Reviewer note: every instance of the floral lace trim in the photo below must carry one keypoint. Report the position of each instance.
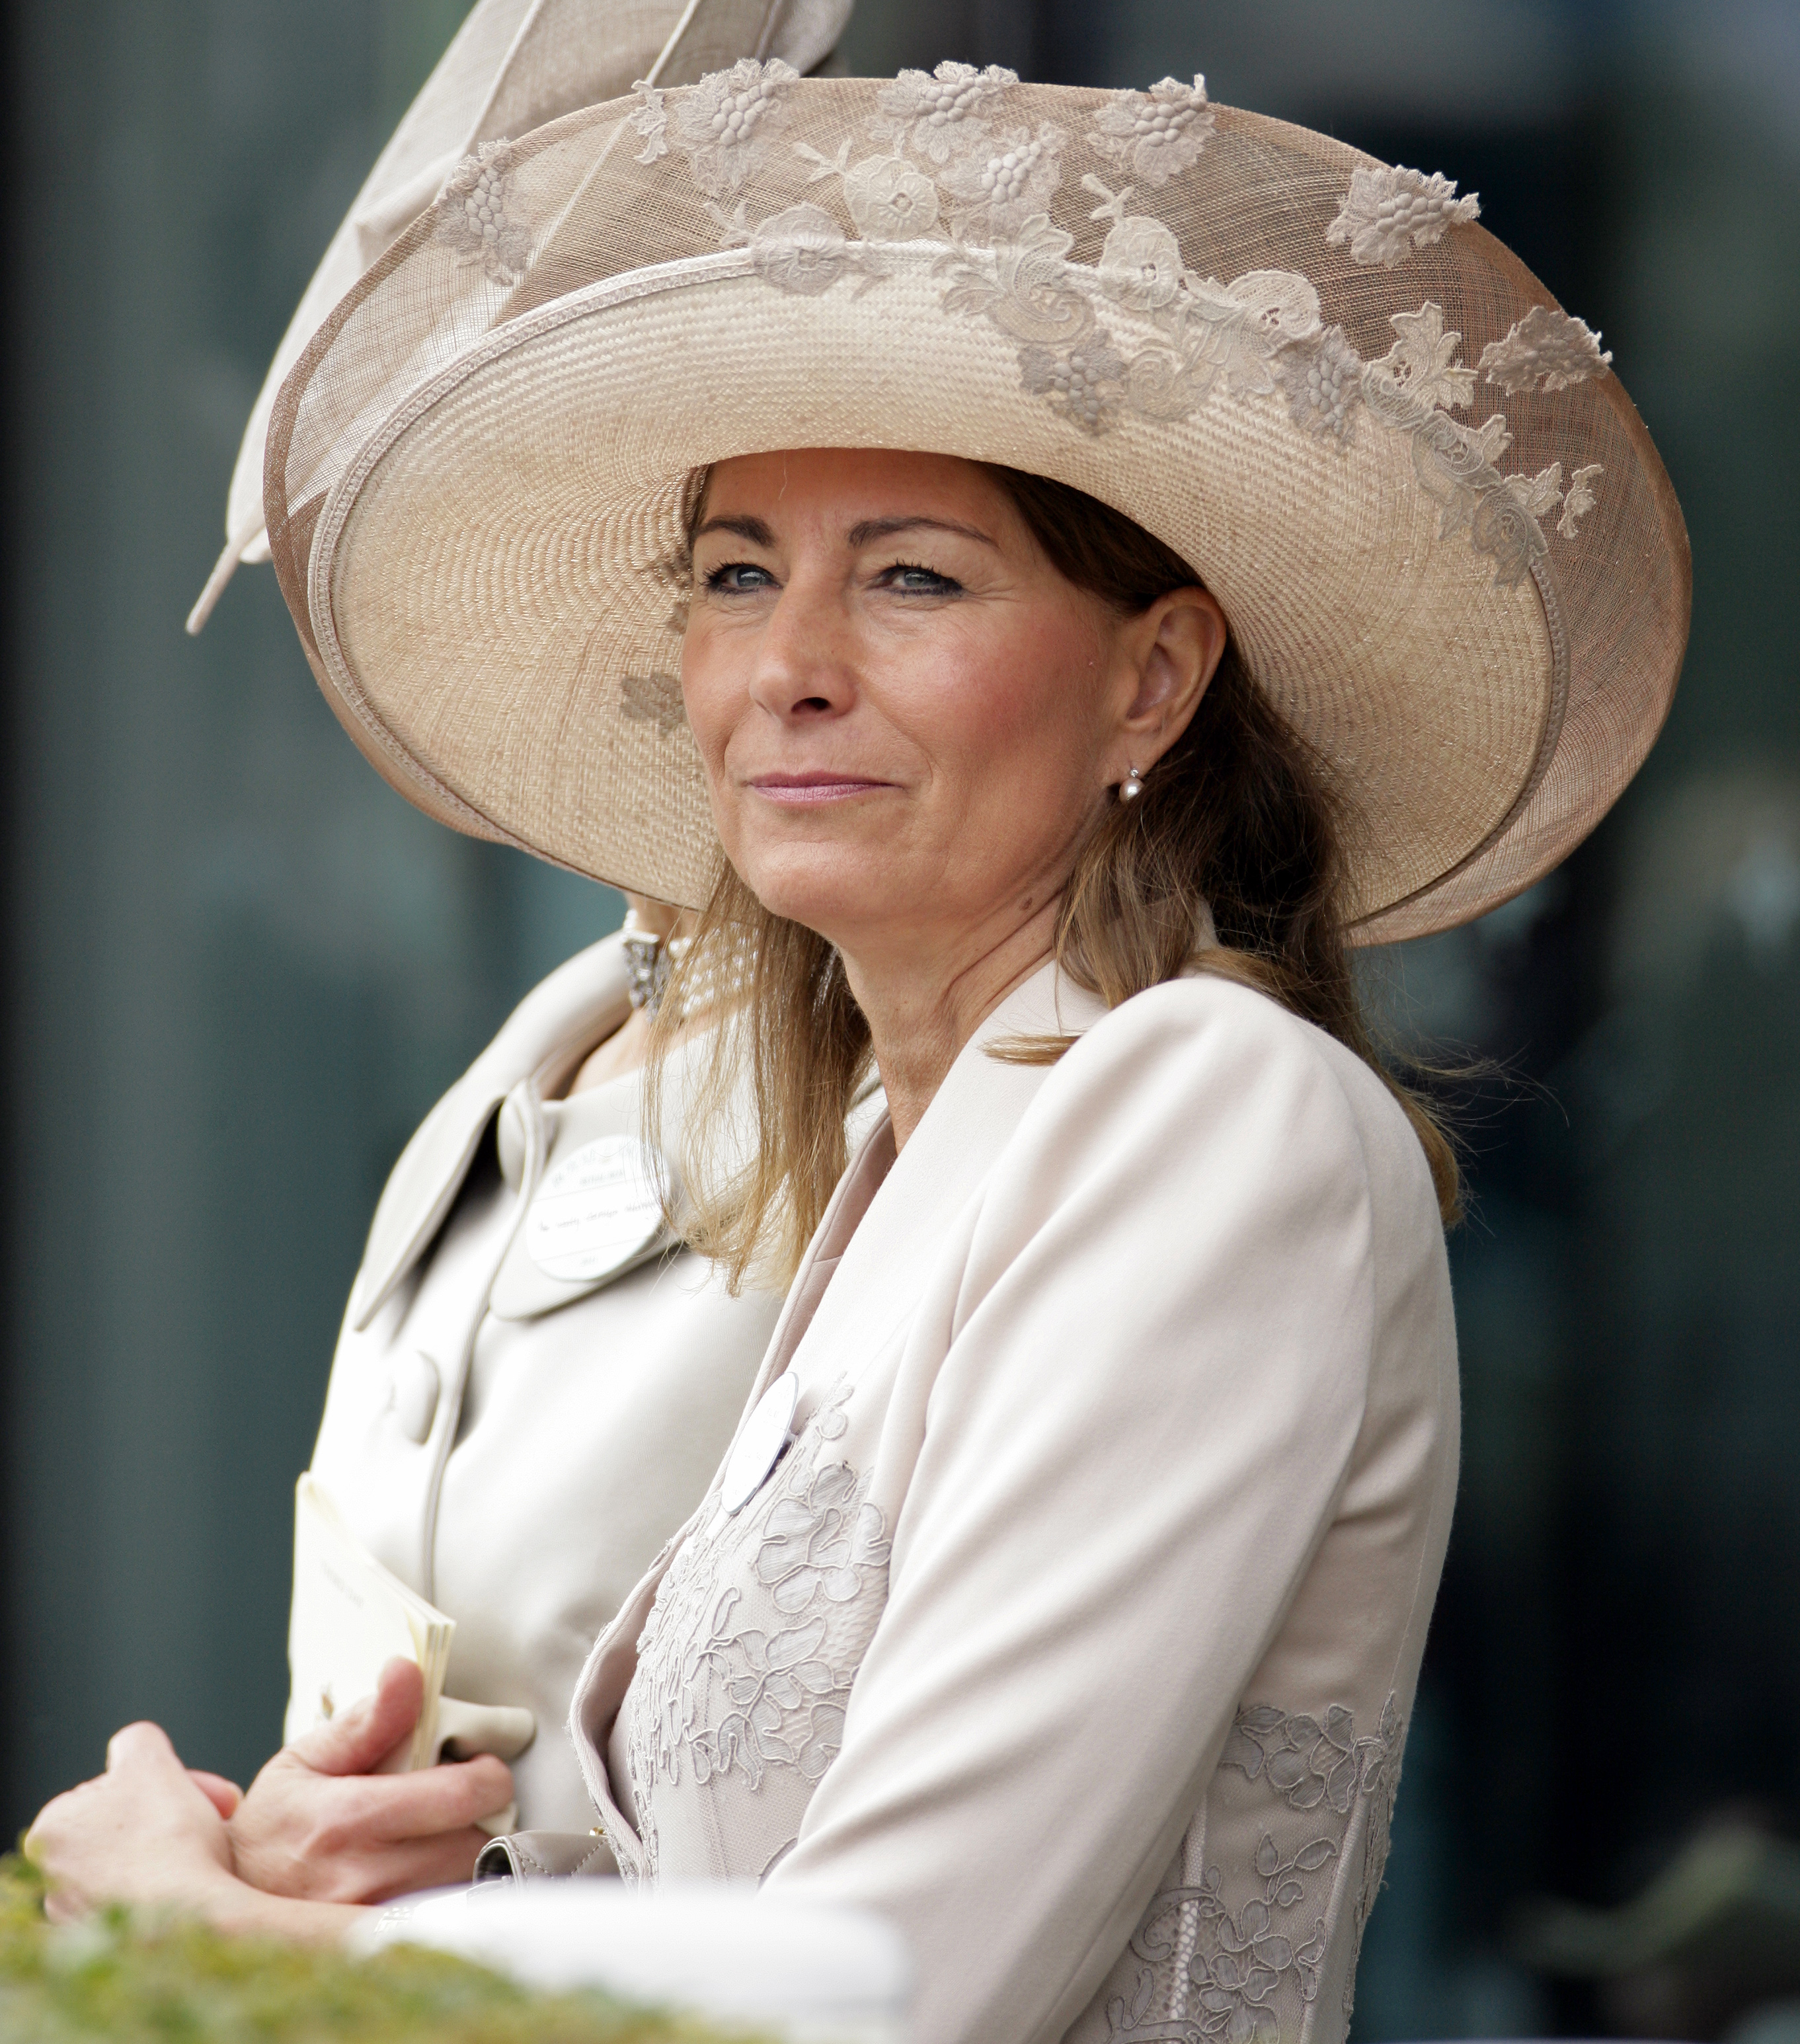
(1249, 1974)
(1152, 135)
(1546, 350)
(473, 215)
(951, 165)
(653, 698)
(724, 125)
(717, 1694)
(1580, 500)
(936, 116)
(1386, 214)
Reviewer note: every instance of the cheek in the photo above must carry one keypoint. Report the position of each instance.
(1019, 711)
(707, 694)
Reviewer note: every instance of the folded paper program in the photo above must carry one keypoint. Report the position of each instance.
(351, 1616)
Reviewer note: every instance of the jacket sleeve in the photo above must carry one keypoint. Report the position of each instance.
(1154, 1372)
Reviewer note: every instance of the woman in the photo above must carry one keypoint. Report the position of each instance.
(1076, 651)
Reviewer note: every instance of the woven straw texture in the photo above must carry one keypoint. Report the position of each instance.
(1446, 547)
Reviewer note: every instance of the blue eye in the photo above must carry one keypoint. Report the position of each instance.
(911, 581)
(739, 577)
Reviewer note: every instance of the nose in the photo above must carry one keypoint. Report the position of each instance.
(803, 671)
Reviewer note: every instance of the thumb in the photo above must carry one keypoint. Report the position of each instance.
(356, 1740)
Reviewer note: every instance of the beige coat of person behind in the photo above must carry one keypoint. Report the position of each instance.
(1077, 1629)
(515, 1445)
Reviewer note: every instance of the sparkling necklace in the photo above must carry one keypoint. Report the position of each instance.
(652, 960)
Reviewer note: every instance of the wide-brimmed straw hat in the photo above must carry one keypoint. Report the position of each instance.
(1447, 549)
(512, 65)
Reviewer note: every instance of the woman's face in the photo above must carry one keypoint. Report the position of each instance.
(910, 719)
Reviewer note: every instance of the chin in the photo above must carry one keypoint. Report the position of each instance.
(828, 892)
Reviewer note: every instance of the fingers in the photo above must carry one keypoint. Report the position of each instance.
(445, 1862)
(357, 1740)
(144, 1831)
(331, 1838)
(224, 1795)
(437, 1799)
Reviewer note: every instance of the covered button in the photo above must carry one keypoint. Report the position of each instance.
(412, 1394)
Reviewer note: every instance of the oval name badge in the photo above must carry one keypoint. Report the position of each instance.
(595, 1211)
(758, 1447)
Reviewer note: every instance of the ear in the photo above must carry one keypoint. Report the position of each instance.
(1170, 654)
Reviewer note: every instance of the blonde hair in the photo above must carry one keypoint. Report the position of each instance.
(1237, 824)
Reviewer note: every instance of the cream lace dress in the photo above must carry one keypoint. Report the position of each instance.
(1077, 1629)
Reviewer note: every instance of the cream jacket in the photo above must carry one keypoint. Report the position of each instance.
(1077, 1628)
(515, 1446)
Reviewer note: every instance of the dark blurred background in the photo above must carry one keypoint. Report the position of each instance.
(238, 969)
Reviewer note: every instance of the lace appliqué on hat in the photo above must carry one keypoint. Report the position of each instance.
(653, 699)
(1546, 350)
(1324, 385)
(931, 115)
(950, 167)
(1000, 180)
(1386, 214)
(1026, 287)
(1423, 361)
(724, 125)
(652, 121)
(887, 198)
(1250, 1972)
(1153, 134)
(802, 249)
(1580, 500)
(473, 216)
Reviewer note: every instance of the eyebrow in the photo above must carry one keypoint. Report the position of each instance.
(860, 535)
(752, 529)
(883, 528)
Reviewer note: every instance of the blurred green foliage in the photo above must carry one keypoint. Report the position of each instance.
(173, 1982)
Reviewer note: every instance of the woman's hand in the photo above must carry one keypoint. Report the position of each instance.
(144, 1832)
(320, 1824)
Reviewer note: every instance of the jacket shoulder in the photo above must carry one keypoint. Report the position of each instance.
(1202, 1042)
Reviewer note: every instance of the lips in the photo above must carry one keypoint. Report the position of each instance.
(808, 790)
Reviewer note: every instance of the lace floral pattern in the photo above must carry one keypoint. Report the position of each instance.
(1422, 362)
(1546, 350)
(804, 250)
(889, 200)
(734, 1682)
(1025, 288)
(654, 699)
(652, 121)
(1153, 135)
(1001, 179)
(1580, 500)
(725, 125)
(474, 219)
(934, 115)
(1237, 1957)
(1386, 214)
(886, 197)
(1324, 384)
(953, 162)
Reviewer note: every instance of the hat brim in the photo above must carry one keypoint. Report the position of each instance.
(496, 581)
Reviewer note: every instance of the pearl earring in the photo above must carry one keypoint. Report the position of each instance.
(1132, 786)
